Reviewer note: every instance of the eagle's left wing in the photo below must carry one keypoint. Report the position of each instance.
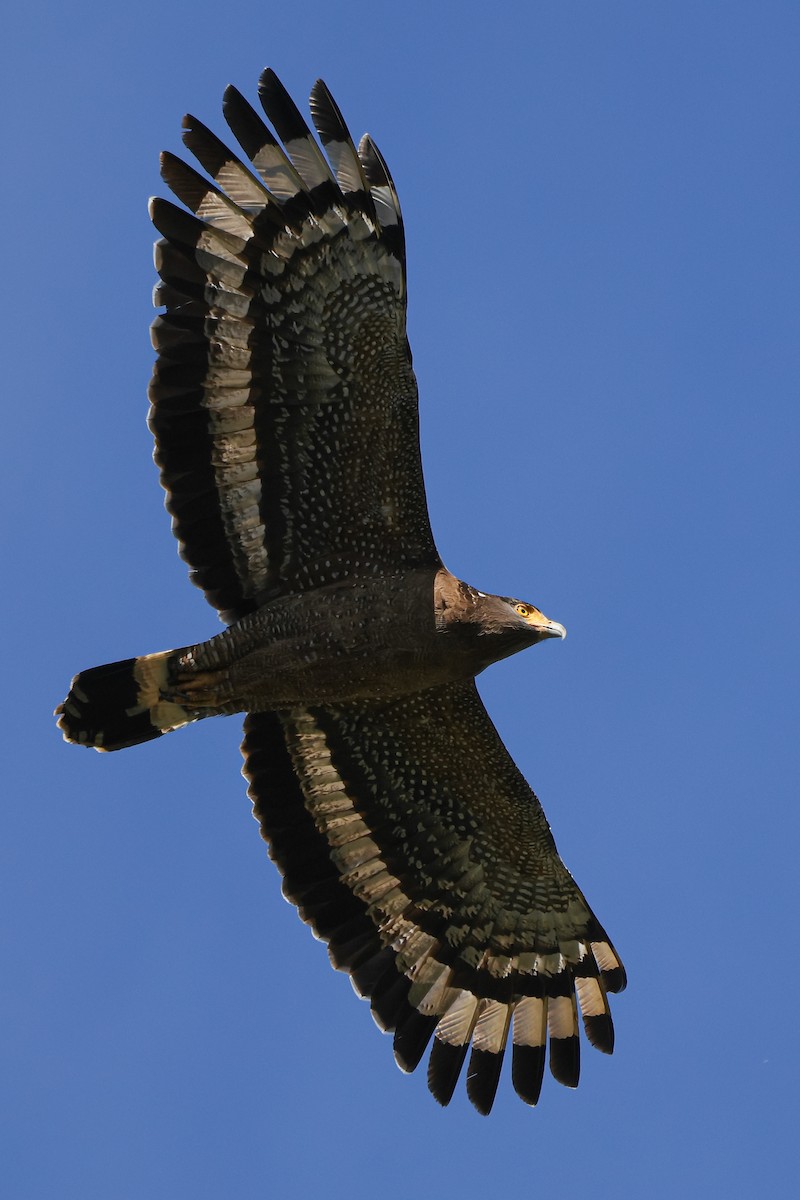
(411, 843)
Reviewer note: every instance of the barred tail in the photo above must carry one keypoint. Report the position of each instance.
(123, 703)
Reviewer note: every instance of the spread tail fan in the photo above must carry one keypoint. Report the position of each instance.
(123, 703)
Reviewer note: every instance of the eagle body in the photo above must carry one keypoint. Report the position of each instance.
(285, 415)
(362, 639)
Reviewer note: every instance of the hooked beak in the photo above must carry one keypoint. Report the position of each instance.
(545, 627)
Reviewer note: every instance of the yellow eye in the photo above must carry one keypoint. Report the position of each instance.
(523, 610)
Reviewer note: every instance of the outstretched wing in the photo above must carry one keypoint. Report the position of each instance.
(284, 406)
(411, 843)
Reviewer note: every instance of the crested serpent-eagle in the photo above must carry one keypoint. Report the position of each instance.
(284, 411)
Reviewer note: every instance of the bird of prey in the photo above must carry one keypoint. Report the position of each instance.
(284, 412)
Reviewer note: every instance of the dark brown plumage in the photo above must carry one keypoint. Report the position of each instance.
(284, 410)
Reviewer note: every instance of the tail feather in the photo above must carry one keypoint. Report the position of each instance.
(122, 703)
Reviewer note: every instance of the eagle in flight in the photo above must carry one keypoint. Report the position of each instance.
(284, 411)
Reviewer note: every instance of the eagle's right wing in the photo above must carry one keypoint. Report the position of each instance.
(284, 405)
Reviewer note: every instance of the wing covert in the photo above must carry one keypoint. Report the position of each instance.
(284, 406)
(425, 861)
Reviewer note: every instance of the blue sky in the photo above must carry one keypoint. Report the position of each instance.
(601, 207)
